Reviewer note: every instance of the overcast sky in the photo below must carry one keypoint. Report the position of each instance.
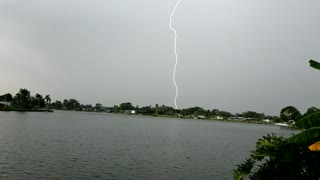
(234, 55)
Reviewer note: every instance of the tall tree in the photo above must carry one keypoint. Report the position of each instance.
(98, 107)
(47, 99)
(8, 97)
(311, 110)
(157, 109)
(215, 112)
(17, 100)
(40, 101)
(58, 105)
(126, 106)
(252, 114)
(224, 114)
(65, 104)
(290, 113)
(116, 109)
(73, 104)
(23, 98)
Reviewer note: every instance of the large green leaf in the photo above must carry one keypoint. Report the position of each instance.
(268, 146)
(307, 136)
(243, 170)
(314, 64)
(310, 121)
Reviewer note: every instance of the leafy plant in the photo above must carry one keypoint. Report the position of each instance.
(281, 158)
(311, 123)
(314, 64)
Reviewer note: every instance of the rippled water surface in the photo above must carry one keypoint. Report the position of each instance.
(76, 145)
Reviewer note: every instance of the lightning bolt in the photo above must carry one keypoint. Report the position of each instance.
(176, 55)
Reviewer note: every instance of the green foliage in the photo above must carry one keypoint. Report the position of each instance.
(38, 101)
(6, 97)
(57, 105)
(314, 64)
(276, 119)
(192, 111)
(116, 109)
(276, 158)
(71, 104)
(98, 107)
(23, 101)
(290, 113)
(163, 110)
(252, 114)
(268, 146)
(311, 110)
(244, 169)
(146, 110)
(225, 114)
(308, 137)
(157, 109)
(282, 158)
(126, 106)
(47, 99)
(309, 121)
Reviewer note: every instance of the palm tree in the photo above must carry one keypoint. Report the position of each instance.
(24, 98)
(18, 99)
(25, 93)
(47, 99)
(40, 101)
(38, 96)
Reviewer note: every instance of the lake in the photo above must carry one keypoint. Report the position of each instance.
(79, 145)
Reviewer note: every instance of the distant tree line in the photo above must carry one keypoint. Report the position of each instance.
(286, 114)
(25, 101)
(75, 105)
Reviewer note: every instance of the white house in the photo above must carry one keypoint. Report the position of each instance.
(5, 103)
(266, 120)
(129, 112)
(219, 117)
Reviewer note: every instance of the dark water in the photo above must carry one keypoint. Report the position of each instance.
(75, 145)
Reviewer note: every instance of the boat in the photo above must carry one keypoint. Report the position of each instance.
(285, 125)
(282, 124)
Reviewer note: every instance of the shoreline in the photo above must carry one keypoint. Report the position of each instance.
(141, 115)
(26, 110)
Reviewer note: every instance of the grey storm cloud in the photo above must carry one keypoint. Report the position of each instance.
(234, 55)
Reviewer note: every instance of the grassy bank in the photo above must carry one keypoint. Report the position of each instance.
(10, 108)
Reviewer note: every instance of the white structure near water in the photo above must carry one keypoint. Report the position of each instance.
(5, 103)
